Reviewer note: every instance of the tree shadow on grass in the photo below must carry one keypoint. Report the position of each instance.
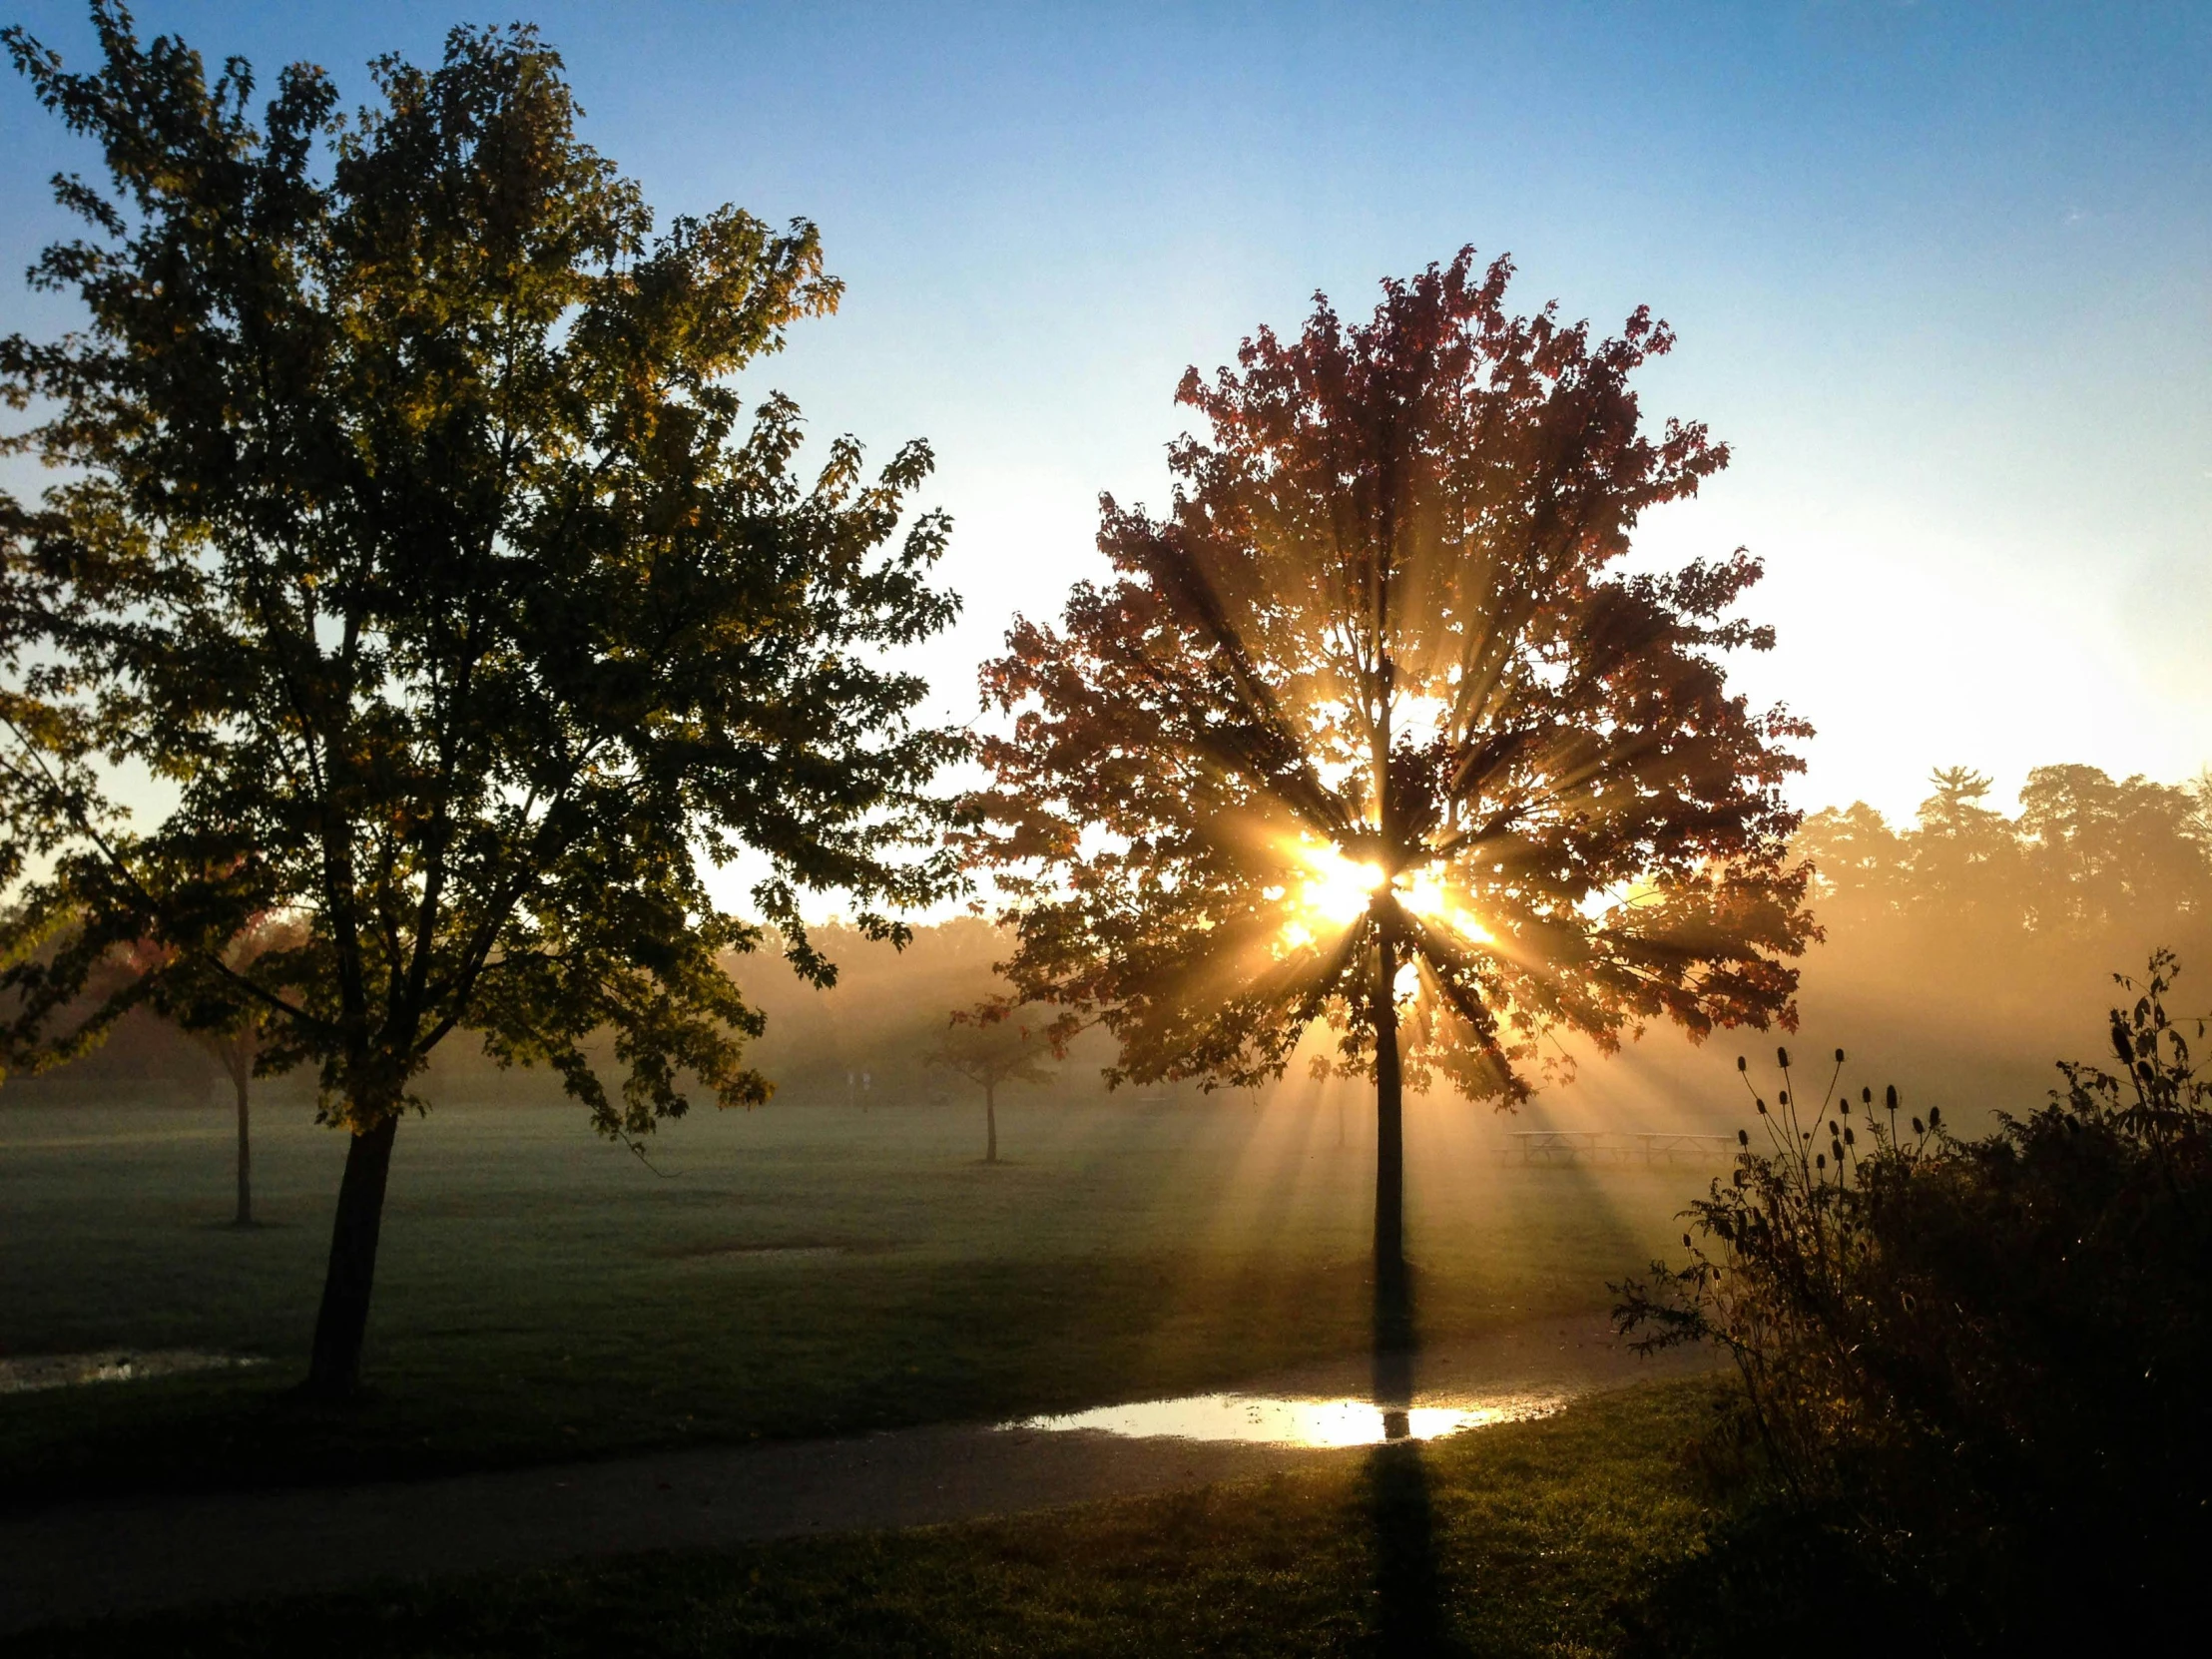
(1408, 1590)
(1408, 1584)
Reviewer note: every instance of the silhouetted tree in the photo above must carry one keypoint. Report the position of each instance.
(1964, 855)
(2085, 855)
(989, 1048)
(412, 532)
(1859, 864)
(2101, 851)
(1371, 729)
(227, 1030)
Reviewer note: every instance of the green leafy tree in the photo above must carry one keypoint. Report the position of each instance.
(412, 537)
(1371, 728)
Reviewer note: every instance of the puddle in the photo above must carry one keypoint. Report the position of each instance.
(1266, 1419)
(69, 1370)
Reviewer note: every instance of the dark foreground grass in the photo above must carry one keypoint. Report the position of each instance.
(543, 1296)
(846, 1350)
(1536, 1538)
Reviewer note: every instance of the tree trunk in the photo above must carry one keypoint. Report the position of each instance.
(244, 1217)
(1393, 1311)
(990, 1124)
(341, 1327)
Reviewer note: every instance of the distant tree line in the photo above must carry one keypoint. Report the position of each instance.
(2085, 861)
(867, 1039)
(2085, 857)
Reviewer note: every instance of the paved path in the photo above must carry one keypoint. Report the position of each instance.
(78, 1561)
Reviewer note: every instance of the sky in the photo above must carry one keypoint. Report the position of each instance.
(1942, 277)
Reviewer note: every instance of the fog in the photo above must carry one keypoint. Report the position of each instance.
(1966, 953)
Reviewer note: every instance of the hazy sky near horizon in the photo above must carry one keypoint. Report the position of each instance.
(1942, 277)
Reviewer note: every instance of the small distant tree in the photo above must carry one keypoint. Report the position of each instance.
(230, 1031)
(1371, 728)
(412, 535)
(992, 1047)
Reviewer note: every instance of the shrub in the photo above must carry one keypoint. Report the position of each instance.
(1978, 1367)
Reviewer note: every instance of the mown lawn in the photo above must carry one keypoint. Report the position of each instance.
(1539, 1538)
(543, 1295)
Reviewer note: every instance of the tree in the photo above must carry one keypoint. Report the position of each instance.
(1964, 855)
(1371, 728)
(414, 536)
(1858, 863)
(2104, 854)
(989, 1048)
(229, 1032)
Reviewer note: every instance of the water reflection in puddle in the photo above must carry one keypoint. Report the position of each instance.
(1268, 1420)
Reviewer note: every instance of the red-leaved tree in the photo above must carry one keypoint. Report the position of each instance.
(1372, 727)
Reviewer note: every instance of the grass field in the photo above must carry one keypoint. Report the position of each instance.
(788, 1272)
(1539, 1538)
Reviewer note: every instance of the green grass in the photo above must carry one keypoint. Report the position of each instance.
(543, 1295)
(1532, 1539)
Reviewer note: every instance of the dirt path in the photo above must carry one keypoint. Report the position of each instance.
(77, 1561)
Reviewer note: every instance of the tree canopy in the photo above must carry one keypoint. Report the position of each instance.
(413, 540)
(1377, 676)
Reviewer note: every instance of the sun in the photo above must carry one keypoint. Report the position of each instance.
(1337, 889)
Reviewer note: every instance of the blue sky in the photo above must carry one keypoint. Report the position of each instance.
(1942, 277)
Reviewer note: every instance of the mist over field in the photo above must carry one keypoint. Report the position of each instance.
(1966, 953)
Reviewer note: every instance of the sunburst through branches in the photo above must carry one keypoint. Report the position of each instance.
(1334, 892)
